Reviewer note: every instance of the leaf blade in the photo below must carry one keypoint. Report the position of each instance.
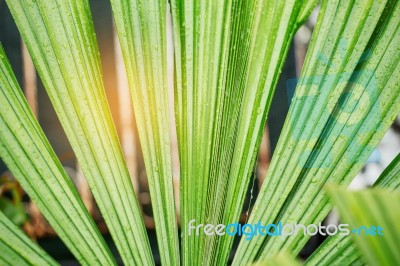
(141, 27)
(29, 156)
(60, 38)
(222, 99)
(378, 249)
(21, 250)
(340, 249)
(318, 143)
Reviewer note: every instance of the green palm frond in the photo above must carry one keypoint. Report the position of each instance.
(340, 249)
(281, 259)
(227, 56)
(345, 101)
(17, 249)
(141, 27)
(374, 221)
(60, 37)
(28, 154)
(227, 61)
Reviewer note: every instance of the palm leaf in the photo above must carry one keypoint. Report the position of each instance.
(346, 99)
(141, 27)
(375, 248)
(60, 37)
(281, 259)
(339, 249)
(227, 60)
(21, 250)
(28, 154)
(389, 179)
